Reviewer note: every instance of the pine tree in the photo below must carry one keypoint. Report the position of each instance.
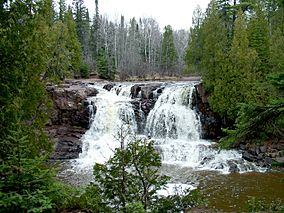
(258, 34)
(105, 65)
(236, 84)
(169, 55)
(214, 48)
(72, 44)
(95, 36)
(25, 183)
(130, 176)
(82, 20)
(62, 9)
(194, 51)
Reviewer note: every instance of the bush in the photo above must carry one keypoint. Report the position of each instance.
(84, 70)
(256, 205)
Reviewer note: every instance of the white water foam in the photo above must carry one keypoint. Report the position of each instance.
(114, 113)
(172, 123)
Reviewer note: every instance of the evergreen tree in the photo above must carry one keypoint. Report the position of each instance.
(62, 9)
(258, 34)
(130, 176)
(72, 44)
(236, 84)
(25, 184)
(95, 36)
(194, 51)
(169, 55)
(105, 65)
(215, 48)
(82, 20)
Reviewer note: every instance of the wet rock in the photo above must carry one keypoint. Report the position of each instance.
(248, 156)
(69, 107)
(233, 168)
(268, 161)
(147, 106)
(263, 149)
(109, 86)
(279, 160)
(210, 122)
(70, 117)
(67, 141)
(148, 89)
(135, 90)
(90, 91)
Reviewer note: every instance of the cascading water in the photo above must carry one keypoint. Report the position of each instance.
(175, 127)
(172, 116)
(113, 112)
(172, 124)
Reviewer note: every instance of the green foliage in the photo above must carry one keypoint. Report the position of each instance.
(72, 44)
(24, 104)
(135, 207)
(169, 55)
(84, 70)
(236, 82)
(64, 49)
(235, 53)
(229, 140)
(25, 185)
(32, 46)
(215, 49)
(256, 123)
(257, 205)
(194, 51)
(130, 176)
(258, 34)
(82, 20)
(105, 65)
(277, 164)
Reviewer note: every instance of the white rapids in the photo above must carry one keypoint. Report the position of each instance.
(172, 124)
(113, 112)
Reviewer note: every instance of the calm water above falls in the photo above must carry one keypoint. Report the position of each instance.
(172, 124)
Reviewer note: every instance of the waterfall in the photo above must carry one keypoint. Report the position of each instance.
(172, 116)
(172, 124)
(175, 128)
(113, 112)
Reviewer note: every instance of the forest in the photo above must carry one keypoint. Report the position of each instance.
(237, 47)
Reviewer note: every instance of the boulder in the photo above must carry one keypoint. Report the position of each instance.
(109, 86)
(148, 89)
(249, 157)
(135, 90)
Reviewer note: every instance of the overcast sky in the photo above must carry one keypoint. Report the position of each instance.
(177, 13)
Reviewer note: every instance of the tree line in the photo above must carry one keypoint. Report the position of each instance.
(128, 48)
(238, 48)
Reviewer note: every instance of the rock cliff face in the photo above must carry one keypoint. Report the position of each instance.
(70, 117)
(211, 122)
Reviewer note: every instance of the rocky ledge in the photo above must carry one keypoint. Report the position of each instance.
(70, 116)
(264, 155)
